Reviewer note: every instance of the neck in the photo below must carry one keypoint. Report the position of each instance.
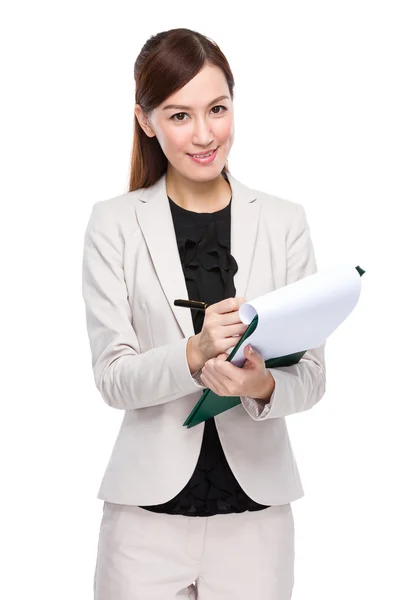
(198, 196)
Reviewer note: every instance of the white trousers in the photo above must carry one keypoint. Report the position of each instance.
(155, 556)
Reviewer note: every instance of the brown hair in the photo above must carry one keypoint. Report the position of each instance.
(167, 61)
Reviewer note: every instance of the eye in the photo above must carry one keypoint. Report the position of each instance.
(172, 118)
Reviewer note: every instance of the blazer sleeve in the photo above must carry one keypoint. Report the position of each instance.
(126, 377)
(300, 386)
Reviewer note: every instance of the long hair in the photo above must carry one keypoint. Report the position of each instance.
(167, 61)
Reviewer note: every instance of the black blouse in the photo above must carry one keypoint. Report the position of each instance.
(204, 248)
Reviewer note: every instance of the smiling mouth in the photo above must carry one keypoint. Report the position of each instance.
(205, 154)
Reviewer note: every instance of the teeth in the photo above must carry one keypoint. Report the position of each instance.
(202, 155)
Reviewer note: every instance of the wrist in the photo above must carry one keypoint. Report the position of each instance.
(193, 355)
(268, 389)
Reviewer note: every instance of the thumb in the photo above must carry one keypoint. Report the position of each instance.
(252, 354)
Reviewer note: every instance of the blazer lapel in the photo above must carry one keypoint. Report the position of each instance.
(155, 219)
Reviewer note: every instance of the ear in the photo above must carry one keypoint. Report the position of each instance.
(143, 121)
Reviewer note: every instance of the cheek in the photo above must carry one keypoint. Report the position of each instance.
(225, 133)
(172, 139)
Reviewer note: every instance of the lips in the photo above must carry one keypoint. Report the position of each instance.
(204, 153)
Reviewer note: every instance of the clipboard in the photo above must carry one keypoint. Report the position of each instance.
(211, 404)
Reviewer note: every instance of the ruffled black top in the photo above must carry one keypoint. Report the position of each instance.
(204, 248)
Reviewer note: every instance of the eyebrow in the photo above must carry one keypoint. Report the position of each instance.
(190, 107)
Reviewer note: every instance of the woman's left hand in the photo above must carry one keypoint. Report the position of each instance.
(226, 379)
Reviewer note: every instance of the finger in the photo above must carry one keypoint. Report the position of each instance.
(226, 368)
(210, 382)
(216, 374)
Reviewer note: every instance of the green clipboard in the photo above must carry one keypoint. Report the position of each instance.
(210, 404)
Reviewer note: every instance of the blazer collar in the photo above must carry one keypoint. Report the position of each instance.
(155, 219)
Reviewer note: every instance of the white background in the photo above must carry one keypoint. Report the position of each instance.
(326, 114)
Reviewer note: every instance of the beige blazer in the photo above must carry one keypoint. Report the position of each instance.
(131, 275)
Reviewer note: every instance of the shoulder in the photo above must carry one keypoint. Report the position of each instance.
(115, 214)
(278, 207)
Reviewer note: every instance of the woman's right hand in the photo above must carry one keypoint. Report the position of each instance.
(221, 328)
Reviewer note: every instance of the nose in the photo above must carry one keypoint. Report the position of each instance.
(202, 133)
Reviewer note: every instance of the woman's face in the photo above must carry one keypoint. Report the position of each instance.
(204, 126)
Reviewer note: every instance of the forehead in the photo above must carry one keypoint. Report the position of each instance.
(208, 86)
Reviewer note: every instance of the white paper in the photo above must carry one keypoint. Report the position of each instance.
(301, 315)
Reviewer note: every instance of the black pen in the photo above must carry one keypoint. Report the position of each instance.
(191, 304)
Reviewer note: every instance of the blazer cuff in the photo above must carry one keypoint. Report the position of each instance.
(197, 378)
(257, 409)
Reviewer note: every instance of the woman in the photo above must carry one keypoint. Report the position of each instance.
(202, 512)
